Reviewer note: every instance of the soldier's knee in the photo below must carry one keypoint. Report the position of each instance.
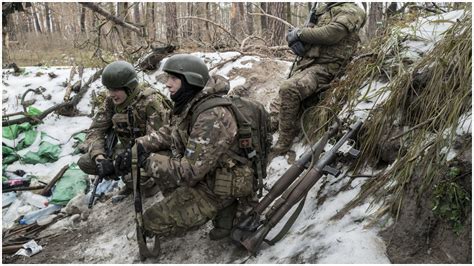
(288, 90)
(87, 165)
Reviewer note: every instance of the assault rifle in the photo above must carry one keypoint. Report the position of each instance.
(137, 196)
(252, 229)
(110, 141)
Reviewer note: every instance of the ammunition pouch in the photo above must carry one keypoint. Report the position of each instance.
(236, 182)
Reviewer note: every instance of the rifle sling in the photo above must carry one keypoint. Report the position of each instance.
(288, 224)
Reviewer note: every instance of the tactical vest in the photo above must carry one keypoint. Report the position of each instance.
(120, 119)
(342, 51)
(244, 165)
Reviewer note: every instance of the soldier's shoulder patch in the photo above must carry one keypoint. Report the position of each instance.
(193, 149)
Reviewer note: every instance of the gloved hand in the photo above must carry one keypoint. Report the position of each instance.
(294, 42)
(105, 168)
(123, 163)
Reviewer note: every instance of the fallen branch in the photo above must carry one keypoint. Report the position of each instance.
(46, 190)
(213, 23)
(112, 18)
(251, 37)
(67, 94)
(22, 189)
(71, 104)
(273, 17)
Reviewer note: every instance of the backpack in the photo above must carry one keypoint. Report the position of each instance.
(254, 136)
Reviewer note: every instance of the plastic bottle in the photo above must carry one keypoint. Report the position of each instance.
(34, 199)
(35, 215)
(8, 198)
(12, 214)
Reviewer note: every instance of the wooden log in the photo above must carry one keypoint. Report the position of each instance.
(46, 191)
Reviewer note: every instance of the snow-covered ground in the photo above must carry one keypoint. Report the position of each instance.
(314, 238)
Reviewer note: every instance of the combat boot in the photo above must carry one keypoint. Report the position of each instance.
(223, 222)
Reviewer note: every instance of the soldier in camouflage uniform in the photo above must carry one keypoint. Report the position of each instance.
(150, 110)
(203, 156)
(324, 48)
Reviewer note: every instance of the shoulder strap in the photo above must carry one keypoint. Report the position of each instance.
(208, 103)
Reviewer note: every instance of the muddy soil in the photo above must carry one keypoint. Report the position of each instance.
(108, 236)
(419, 236)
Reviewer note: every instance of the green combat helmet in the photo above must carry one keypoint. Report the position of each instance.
(119, 74)
(191, 67)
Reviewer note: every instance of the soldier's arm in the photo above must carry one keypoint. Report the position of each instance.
(211, 136)
(341, 25)
(157, 140)
(157, 115)
(98, 129)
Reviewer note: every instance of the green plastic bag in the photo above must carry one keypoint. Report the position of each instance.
(71, 183)
(12, 132)
(8, 155)
(30, 137)
(80, 137)
(47, 153)
(34, 111)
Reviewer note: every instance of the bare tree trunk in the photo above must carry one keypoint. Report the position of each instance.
(36, 19)
(235, 19)
(136, 12)
(288, 12)
(189, 26)
(264, 19)
(150, 20)
(249, 19)
(82, 19)
(171, 23)
(277, 28)
(208, 16)
(47, 17)
(375, 16)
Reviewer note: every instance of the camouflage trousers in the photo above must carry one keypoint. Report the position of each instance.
(182, 210)
(301, 87)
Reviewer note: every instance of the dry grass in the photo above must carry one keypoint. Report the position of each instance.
(432, 113)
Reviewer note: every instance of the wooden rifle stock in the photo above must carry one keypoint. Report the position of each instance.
(253, 241)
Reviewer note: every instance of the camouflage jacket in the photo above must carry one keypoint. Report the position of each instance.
(150, 109)
(334, 38)
(199, 148)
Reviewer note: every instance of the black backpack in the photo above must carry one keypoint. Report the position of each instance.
(254, 135)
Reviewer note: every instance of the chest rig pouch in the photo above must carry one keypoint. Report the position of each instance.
(120, 122)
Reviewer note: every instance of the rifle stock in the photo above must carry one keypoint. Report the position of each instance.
(250, 222)
(252, 241)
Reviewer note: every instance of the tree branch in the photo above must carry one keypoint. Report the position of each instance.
(213, 23)
(273, 17)
(113, 18)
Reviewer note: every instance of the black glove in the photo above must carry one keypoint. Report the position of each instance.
(123, 163)
(294, 42)
(105, 168)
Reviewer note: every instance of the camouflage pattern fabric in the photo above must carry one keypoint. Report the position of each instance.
(329, 45)
(150, 111)
(199, 151)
